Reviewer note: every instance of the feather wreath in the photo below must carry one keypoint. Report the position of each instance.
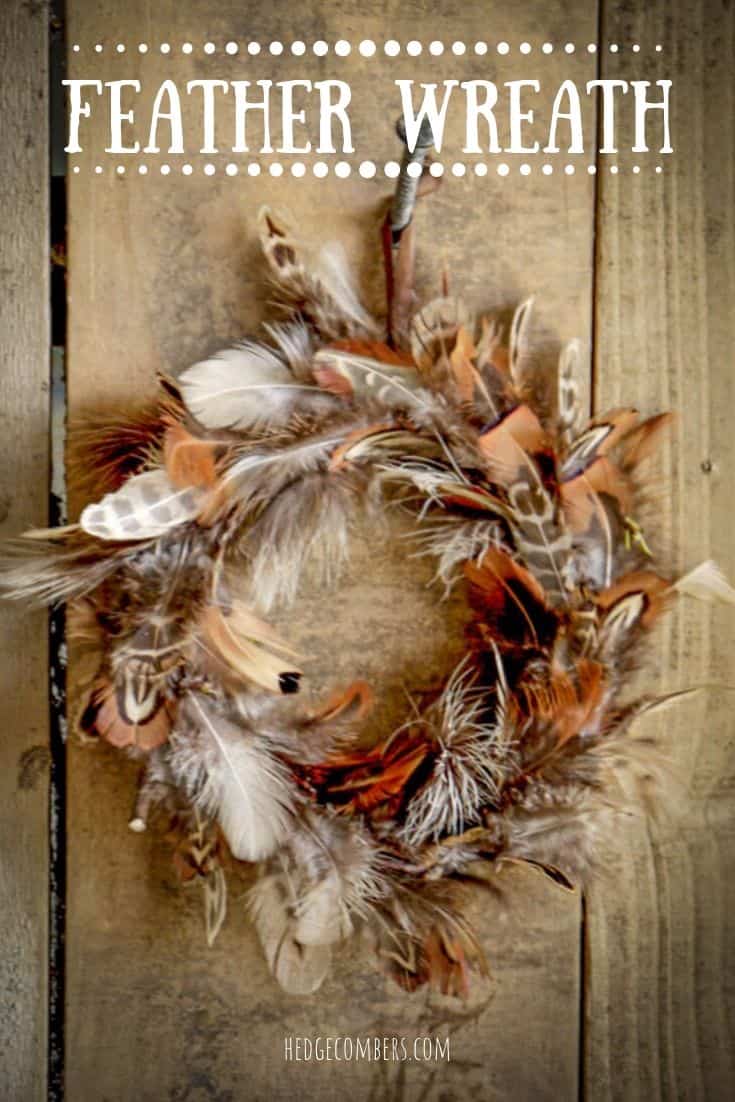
(209, 504)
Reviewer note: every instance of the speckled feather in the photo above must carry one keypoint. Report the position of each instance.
(209, 512)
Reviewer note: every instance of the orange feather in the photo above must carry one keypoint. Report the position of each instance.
(580, 495)
(642, 441)
(655, 589)
(102, 716)
(504, 444)
(189, 461)
(461, 365)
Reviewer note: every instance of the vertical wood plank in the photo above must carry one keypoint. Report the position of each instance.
(661, 997)
(162, 271)
(24, 375)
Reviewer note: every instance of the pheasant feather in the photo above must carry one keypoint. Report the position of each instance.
(213, 501)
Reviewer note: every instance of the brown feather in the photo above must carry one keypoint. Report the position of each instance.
(108, 446)
(375, 350)
(461, 365)
(641, 442)
(245, 657)
(189, 461)
(358, 696)
(580, 496)
(656, 591)
(620, 422)
(510, 598)
(507, 445)
(338, 459)
(363, 780)
(101, 715)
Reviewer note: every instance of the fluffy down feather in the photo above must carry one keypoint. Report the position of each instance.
(306, 898)
(247, 387)
(299, 969)
(230, 773)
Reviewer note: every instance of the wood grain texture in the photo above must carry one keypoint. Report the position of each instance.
(24, 374)
(163, 271)
(661, 989)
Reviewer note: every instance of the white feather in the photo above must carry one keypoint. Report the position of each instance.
(569, 376)
(333, 270)
(321, 914)
(299, 969)
(707, 583)
(472, 762)
(145, 507)
(307, 523)
(241, 388)
(392, 384)
(452, 542)
(519, 349)
(328, 872)
(434, 329)
(247, 787)
(295, 344)
(214, 887)
(291, 461)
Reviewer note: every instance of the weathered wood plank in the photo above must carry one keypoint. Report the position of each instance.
(162, 271)
(661, 998)
(24, 375)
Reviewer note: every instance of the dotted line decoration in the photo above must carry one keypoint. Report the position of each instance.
(366, 169)
(368, 48)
